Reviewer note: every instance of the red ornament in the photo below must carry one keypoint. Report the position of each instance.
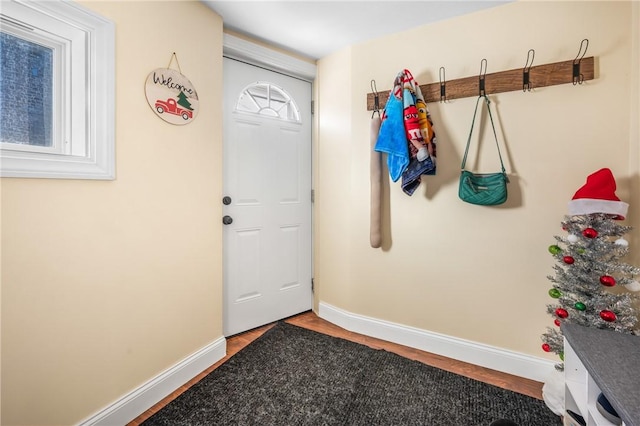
(556, 322)
(546, 347)
(568, 260)
(590, 233)
(561, 313)
(608, 316)
(607, 280)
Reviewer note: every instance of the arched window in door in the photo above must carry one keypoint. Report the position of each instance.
(268, 100)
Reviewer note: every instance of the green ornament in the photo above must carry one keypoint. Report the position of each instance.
(561, 355)
(581, 250)
(555, 293)
(580, 306)
(554, 249)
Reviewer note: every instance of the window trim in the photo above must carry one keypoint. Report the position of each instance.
(96, 157)
(55, 44)
(288, 100)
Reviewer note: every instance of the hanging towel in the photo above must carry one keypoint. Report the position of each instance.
(420, 134)
(406, 133)
(392, 138)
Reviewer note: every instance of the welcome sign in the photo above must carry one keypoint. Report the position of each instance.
(171, 96)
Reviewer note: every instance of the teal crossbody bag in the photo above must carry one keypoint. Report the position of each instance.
(485, 189)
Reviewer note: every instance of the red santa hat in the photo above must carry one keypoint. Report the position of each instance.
(598, 195)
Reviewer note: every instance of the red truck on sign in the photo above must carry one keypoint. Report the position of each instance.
(171, 107)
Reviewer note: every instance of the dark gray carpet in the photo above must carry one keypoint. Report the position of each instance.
(293, 376)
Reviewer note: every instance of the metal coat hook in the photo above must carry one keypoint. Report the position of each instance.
(481, 77)
(376, 99)
(578, 78)
(443, 83)
(526, 83)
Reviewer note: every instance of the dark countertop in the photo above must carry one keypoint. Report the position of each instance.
(613, 361)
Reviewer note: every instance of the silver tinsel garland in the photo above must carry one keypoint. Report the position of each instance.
(588, 285)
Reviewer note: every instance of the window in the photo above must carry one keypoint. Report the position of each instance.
(56, 91)
(268, 100)
(26, 98)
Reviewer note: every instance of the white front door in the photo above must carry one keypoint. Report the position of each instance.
(267, 190)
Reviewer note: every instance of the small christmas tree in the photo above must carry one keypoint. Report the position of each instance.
(588, 265)
(183, 101)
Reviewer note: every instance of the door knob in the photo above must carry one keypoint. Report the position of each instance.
(227, 220)
(226, 200)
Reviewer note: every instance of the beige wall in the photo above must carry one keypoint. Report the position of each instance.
(472, 272)
(106, 284)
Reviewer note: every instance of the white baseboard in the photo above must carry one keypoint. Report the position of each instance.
(499, 359)
(146, 396)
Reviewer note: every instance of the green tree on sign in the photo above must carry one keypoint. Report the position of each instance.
(182, 101)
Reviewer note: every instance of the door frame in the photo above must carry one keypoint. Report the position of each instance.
(243, 50)
(254, 54)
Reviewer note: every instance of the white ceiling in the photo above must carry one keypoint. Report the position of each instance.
(317, 28)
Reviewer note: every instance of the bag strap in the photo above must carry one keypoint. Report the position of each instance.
(466, 151)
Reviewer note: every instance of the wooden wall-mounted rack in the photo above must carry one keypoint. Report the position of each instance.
(503, 81)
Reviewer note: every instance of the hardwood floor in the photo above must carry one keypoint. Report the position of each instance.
(311, 321)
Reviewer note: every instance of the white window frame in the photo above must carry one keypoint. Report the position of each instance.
(84, 118)
(287, 103)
